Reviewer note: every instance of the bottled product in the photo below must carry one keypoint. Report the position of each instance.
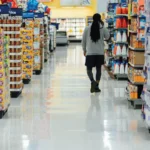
(124, 23)
(118, 10)
(116, 71)
(118, 23)
(118, 39)
(118, 50)
(124, 37)
(124, 50)
(122, 71)
(126, 68)
(123, 10)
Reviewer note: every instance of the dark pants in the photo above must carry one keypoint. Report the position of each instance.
(90, 74)
(94, 61)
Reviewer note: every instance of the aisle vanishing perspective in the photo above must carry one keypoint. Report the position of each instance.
(57, 112)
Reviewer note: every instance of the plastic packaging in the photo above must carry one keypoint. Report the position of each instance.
(124, 37)
(118, 38)
(118, 50)
(124, 50)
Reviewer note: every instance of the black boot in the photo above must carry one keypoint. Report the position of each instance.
(97, 89)
(93, 86)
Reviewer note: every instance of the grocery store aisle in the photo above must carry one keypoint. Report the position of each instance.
(57, 112)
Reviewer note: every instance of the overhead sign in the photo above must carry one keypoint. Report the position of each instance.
(75, 2)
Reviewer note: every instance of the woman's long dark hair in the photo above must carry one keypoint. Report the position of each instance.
(95, 28)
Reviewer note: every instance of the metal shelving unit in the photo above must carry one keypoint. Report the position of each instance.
(136, 66)
(136, 102)
(132, 32)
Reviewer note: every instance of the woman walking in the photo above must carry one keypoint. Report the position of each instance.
(93, 47)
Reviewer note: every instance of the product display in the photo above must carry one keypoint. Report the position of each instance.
(42, 41)
(38, 38)
(53, 37)
(27, 46)
(109, 44)
(146, 89)
(136, 51)
(135, 75)
(4, 73)
(133, 90)
(136, 58)
(117, 47)
(73, 26)
(89, 20)
(17, 50)
(11, 25)
(22, 4)
(120, 46)
(121, 16)
(46, 38)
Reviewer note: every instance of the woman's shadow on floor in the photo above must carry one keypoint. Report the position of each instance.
(93, 123)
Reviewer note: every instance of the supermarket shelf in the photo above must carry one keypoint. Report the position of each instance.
(118, 56)
(136, 49)
(74, 39)
(3, 112)
(121, 15)
(117, 42)
(120, 28)
(147, 126)
(11, 32)
(15, 39)
(136, 102)
(139, 99)
(121, 76)
(17, 54)
(133, 15)
(137, 66)
(136, 83)
(16, 46)
(26, 81)
(15, 90)
(16, 75)
(10, 25)
(130, 31)
(15, 68)
(37, 72)
(15, 61)
(109, 27)
(16, 82)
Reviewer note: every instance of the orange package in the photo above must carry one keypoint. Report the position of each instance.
(118, 10)
(118, 23)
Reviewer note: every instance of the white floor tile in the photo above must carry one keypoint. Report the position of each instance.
(57, 112)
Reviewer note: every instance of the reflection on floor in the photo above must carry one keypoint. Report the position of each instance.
(57, 112)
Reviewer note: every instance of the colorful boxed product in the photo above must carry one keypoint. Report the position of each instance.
(27, 47)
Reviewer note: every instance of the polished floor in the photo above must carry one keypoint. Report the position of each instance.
(57, 112)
